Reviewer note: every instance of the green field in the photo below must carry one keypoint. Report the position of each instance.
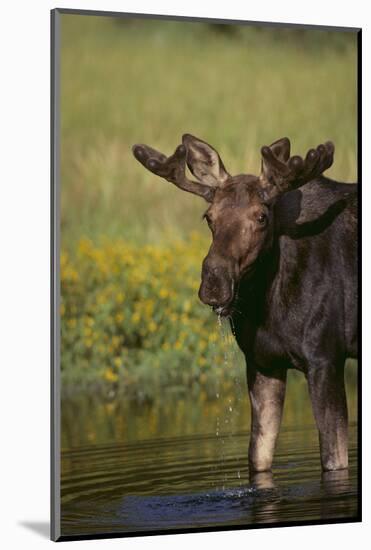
(128, 320)
(132, 81)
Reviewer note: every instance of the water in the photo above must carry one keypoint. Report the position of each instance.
(233, 400)
(180, 462)
(183, 482)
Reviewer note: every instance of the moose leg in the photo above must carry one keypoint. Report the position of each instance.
(267, 395)
(327, 393)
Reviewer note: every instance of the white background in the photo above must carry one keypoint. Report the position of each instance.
(24, 288)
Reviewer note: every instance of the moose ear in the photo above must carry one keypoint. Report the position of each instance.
(204, 162)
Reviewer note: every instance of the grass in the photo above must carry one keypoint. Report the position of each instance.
(131, 81)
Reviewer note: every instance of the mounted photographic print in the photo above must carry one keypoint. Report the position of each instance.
(205, 284)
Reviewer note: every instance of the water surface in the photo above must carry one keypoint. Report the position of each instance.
(180, 462)
(200, 481)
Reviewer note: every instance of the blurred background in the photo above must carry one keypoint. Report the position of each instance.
(141, 357)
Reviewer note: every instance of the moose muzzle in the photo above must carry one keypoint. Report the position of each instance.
(217, 286)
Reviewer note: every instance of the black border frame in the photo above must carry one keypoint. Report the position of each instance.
(55, 403)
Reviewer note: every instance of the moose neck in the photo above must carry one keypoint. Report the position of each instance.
(254, 288)
(298, 216)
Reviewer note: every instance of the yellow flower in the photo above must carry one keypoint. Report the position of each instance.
(135, 318)
(85, 246)
(70, 274)
(149, 307)
(110, 376)
(202, 345)
(152, 326)
(120, 297)
(116, 341)
(63, 259)
(88, 342)
(119, 317)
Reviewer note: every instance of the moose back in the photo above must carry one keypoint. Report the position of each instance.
(282, 266)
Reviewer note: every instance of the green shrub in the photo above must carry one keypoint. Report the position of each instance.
(131, 317)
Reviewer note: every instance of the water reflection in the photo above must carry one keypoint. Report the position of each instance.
(262, 480)
(182, 462)
(91, 419)
(184, 482)
(336, 483)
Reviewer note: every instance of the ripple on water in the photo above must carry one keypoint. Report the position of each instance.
(178, 483)
(202, 480)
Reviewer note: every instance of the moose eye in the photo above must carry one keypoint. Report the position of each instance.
(262, 218)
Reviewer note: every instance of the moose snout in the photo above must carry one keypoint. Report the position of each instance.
(216, 288)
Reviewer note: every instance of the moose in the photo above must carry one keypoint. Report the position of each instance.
(282, 266)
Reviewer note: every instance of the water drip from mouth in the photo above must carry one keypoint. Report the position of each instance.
(227, 421)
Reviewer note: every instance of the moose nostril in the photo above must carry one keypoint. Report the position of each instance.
(217, 295)
(216, 289)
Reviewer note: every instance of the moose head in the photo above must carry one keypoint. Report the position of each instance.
(240, 211)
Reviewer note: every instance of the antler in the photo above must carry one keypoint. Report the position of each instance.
(285, 172)
(172, 169)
